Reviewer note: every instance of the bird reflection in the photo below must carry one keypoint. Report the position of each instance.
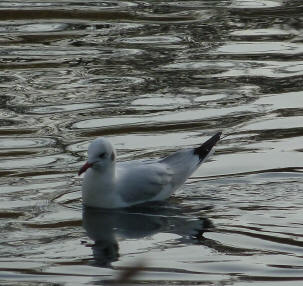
(104, 226)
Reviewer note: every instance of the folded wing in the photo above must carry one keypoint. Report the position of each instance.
(157, 180)
(150, 182)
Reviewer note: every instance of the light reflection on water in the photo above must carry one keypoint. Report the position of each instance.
(153, 77)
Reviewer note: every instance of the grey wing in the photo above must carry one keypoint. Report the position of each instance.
(144, 182)
(183, 163)
(186, 161)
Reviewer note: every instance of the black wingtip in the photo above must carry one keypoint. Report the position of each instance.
(206, 147)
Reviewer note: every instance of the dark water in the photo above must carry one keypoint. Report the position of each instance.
(154, 77)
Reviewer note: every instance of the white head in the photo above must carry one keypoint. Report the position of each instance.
(101, 155)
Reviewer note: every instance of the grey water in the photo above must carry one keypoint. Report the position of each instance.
(152, 76)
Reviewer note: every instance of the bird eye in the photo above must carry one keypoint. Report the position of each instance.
(102, 155)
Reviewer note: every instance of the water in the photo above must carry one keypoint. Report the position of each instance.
(152, 77)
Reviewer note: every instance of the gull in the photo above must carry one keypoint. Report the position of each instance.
(111, 184)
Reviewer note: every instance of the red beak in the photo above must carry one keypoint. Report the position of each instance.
(84, 168)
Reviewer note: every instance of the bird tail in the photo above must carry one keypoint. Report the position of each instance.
(205, 149)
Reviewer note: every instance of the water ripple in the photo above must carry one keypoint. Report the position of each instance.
(153, 77)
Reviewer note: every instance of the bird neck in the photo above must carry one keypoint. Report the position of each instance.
(98, 189)
(106, 175)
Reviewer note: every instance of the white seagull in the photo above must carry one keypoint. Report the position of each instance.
(111, 184)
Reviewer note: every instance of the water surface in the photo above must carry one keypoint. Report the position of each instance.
(153, 77)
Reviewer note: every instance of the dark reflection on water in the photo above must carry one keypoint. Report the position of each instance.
(103, 226)
(153, 77)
